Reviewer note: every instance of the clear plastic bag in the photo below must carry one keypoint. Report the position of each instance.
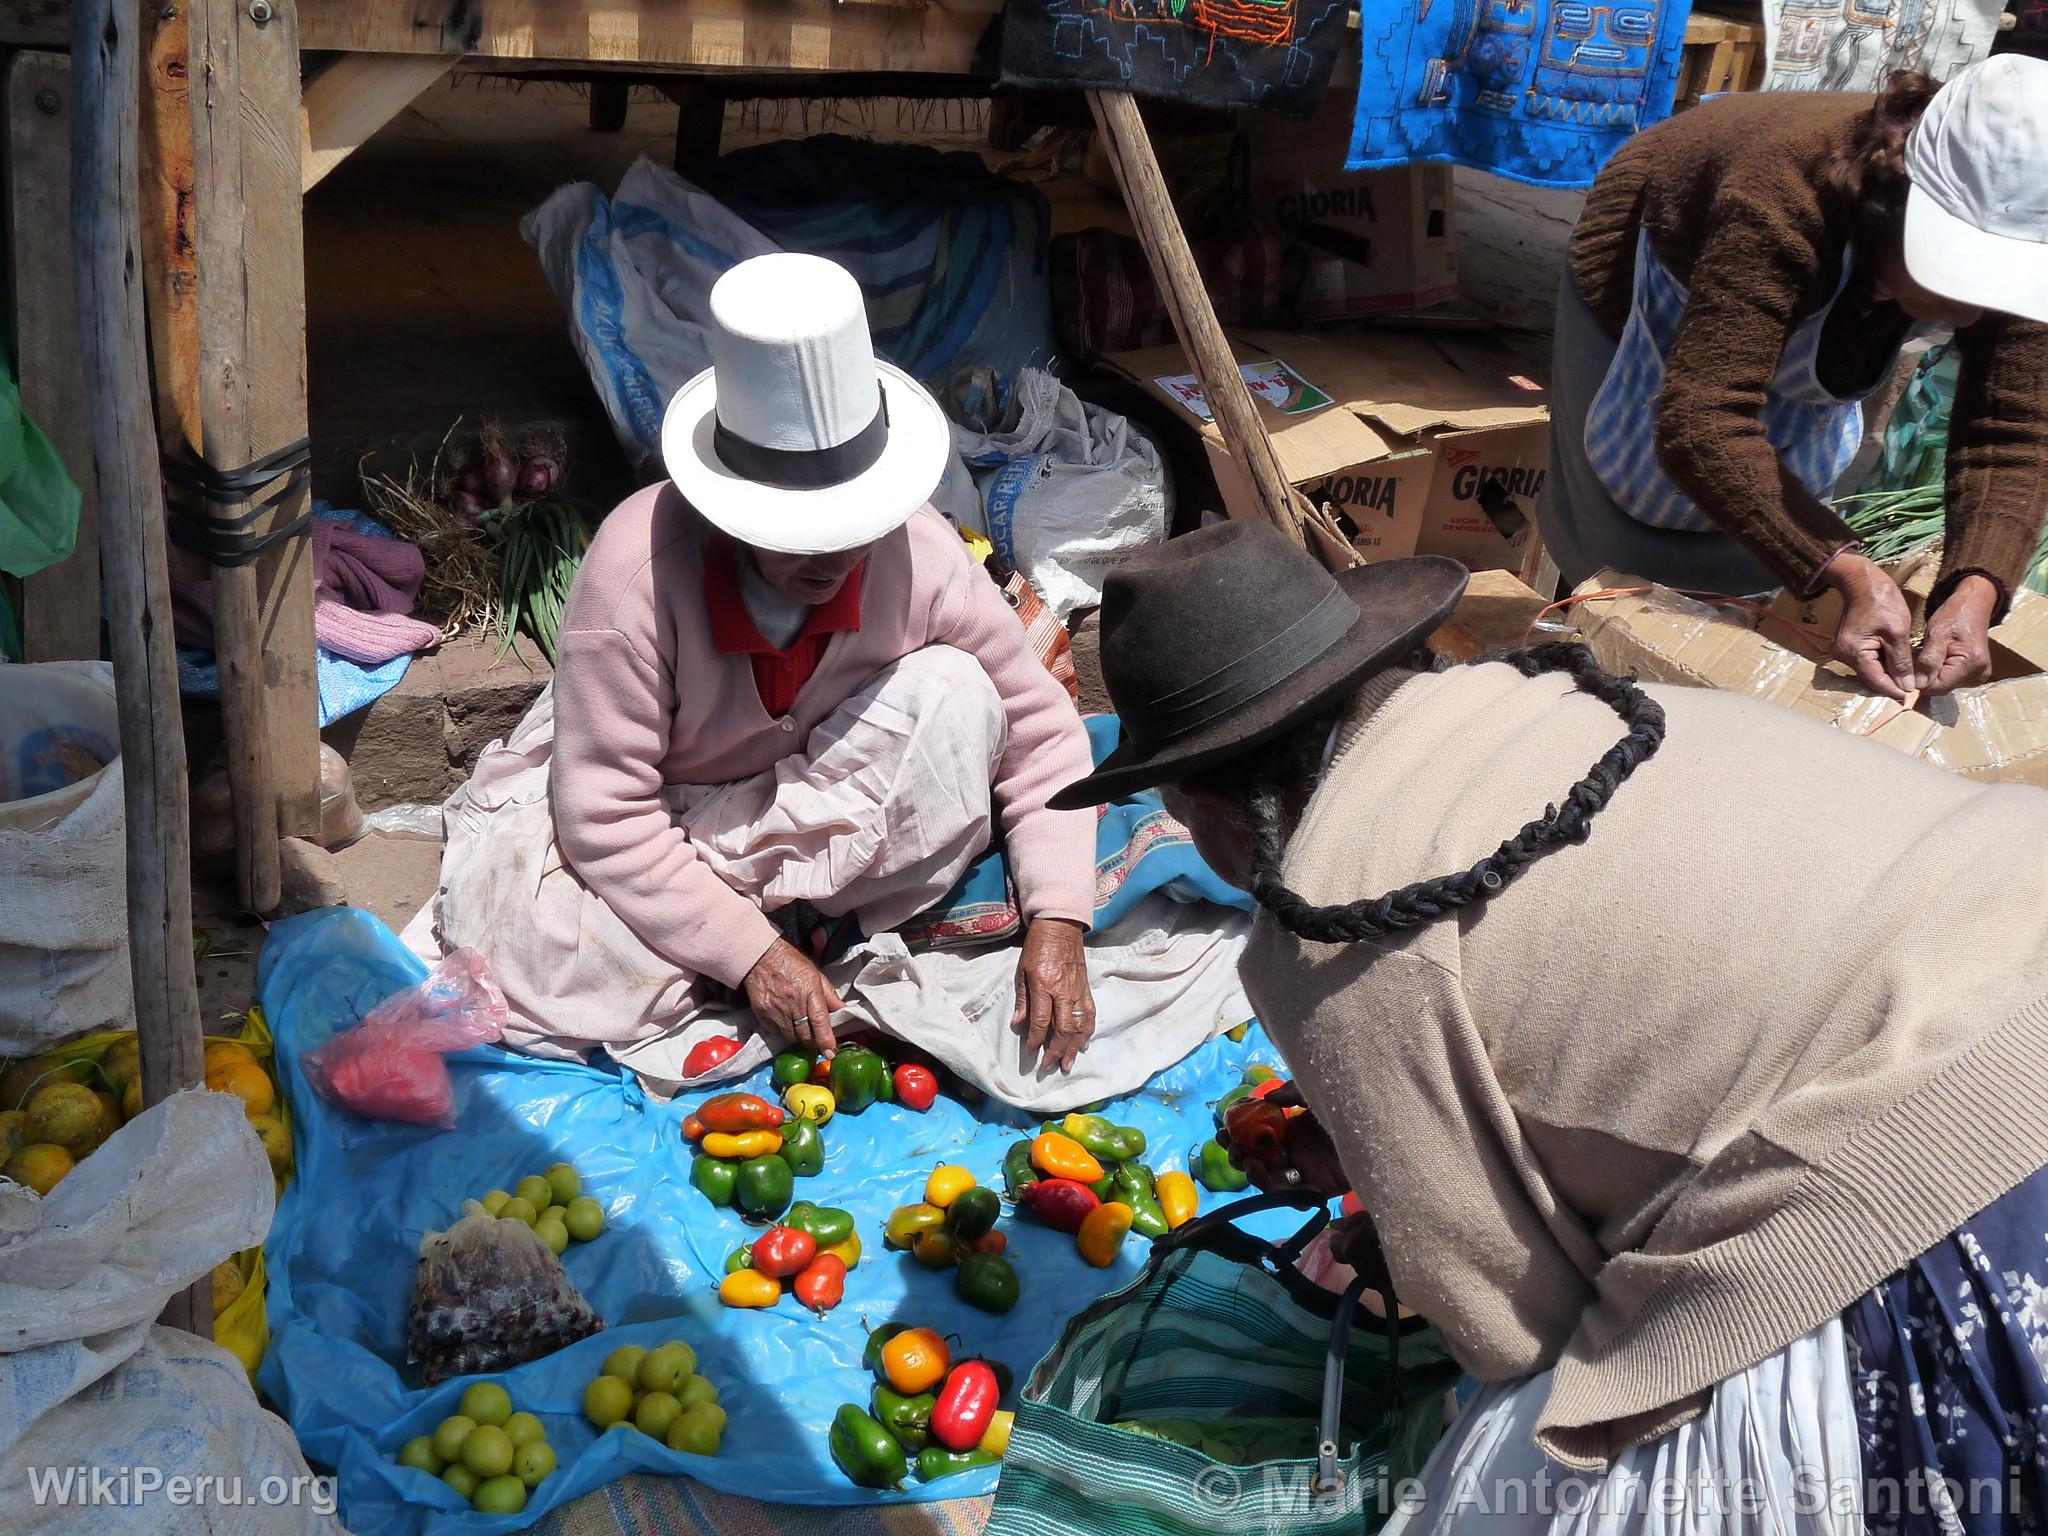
(390, 1067)
(489, 1295)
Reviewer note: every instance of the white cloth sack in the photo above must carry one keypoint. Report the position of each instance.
(1775, 1451)
(63, 858)
(1070, 490)
(85, 1377)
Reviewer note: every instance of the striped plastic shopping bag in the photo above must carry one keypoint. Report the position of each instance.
(1221, 1333)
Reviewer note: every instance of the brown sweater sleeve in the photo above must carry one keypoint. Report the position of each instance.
(1753, 282)
(1997, 454)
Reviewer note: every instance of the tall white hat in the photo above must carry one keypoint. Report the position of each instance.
(798, 438)
(1977, 207)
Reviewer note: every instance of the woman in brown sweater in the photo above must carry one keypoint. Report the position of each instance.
(1742, 277)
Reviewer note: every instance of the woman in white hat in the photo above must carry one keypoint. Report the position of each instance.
(1742, 277)
(783, 687)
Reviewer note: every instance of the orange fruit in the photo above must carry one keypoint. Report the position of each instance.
(131, 1099)
(13, 1132)
(247, 1082)
(65, 1115)
(41, 1167)
(277, 1142)
(121, 1064)
(221, 1052)
(25, 1077)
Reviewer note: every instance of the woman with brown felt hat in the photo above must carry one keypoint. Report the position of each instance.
(1647, 1072)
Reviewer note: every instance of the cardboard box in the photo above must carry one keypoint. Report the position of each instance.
(1379, 240)
(1369, 423)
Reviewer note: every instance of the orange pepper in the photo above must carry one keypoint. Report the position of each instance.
(740, 1147)
(916, 1360)
(1061, 1157)
(1102, 1233)
(749, 1288)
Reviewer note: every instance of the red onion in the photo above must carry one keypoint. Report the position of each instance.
(538, 476)
(468, 503)
(501, 474)
(472, 482)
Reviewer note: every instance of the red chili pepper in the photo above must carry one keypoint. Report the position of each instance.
(916, 1087)
(1260, 1129)
(706, 1054)
(822, 1284)
(1270, 1085)
(693, 1128)
(1061, 1204)
(966, 1405)
(732, 1113)
(784, 1251)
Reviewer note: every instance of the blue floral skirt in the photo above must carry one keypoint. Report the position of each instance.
(1948, 1361)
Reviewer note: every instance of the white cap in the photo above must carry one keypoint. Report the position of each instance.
(1977, 209)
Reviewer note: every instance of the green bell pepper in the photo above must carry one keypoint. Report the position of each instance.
(1135, 1190)
(935, 1462)
(973, 1212)
(1104, 1188)
(871, 1355)
(1236, 1095)
(865, 1451)
(763, 1187)
(859, 1078)
(909, 1419)
(1018, 1174)
(803, 1147)
(827, 1223)
(1217, 1172)
(987, 1281)
(716, 1178)
(791, 1068)
(740, 1258)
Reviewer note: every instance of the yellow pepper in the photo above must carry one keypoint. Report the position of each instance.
(810, 1101)
(848, 1252)
(1062, 1157)
(949, 1181)
(1102, 1233)
(1179, 1200)
(996, 1438)
(742, 1145)
(749, 1288)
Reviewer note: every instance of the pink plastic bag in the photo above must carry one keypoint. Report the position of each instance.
(389, 1067)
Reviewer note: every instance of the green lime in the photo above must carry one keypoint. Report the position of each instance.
(418, 1453)
(624, 1362)
(668, 1366)
(697, 1432)
(524, 1429)
(488, 1451)
(553, 1233)
(500, 1496)
(656, 1411)
(555, 1213)
(487, 1403)
(517, 1209)
(532, 1462)
(449, 1435)
(462, 1480)
(494, 1202)
(712, 1414)
(565, 1181)
(697, 1389)
(607, 1401)
(585, 1218)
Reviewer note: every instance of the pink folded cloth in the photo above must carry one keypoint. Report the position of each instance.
(363, 589)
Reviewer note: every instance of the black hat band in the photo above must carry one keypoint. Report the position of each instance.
(1244, 678)
(804, 469)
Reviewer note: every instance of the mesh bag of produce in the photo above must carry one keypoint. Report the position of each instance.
(490, 1295)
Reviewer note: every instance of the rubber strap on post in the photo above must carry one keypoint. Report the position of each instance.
(225, 540)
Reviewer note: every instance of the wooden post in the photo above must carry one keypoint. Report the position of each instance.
(1129, 150)
(246, 159)
(106, 62)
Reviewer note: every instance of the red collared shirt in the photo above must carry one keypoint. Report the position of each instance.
(778, 674)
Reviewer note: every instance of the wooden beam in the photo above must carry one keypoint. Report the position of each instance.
(61, 603)
(1129, 150)
(352, 98)
(106, 71)
(252, 353)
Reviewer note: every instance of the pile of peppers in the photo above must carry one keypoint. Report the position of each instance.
(750, 1153)
(806, 1256)
(1083, 1176)
(927, 1410)
(954, 1227)
(849, 1081)
(1211, 1160)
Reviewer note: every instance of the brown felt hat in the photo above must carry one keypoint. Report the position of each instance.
(1223, 639)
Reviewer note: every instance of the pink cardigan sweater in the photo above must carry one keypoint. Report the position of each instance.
(643, 700)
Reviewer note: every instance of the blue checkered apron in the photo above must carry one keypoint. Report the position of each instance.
(1816, 433)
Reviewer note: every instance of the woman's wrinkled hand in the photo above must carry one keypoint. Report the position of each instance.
(1957, 651)
(1311, 1155)
(1055, 1010)
(791, 996)
(1875, 636)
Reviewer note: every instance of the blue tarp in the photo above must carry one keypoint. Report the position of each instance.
(342, 1253)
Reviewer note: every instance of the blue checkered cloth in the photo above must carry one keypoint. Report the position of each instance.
(1816, 433)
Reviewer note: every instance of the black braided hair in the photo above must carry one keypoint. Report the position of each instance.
(1429, 900)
